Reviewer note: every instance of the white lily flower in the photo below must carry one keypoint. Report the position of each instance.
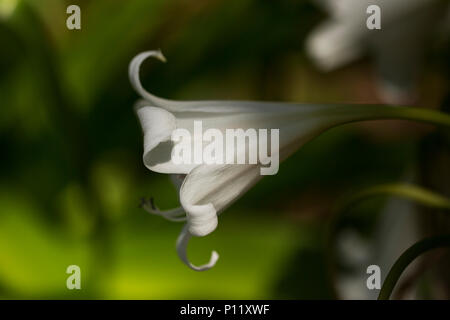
(397, 48)
(205, 190)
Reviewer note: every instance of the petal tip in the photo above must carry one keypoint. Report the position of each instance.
(212, 262)
(182, 242)
(160, 56)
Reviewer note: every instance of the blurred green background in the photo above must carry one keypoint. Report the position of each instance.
(72, 176)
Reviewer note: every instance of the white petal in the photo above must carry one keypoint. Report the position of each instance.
(209, 189)
(158, 125)
(344, 37)
(182, 243)
(197, 109)
(332, 45)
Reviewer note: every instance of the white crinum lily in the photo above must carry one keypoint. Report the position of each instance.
(205, 190)
(397, 48)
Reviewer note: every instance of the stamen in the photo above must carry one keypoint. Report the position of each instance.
(182, 243)
(176, 214)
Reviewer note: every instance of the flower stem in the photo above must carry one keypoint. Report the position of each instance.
(406, 258)
(384, 112)
(422, 115)
(407, 191)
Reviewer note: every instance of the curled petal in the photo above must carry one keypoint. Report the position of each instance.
(158, 125)
(182, 243)
(202, 219)
(216, 107)
(209, 189)
(133, 73)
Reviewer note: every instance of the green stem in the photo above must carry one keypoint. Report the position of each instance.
(407, 191)
(406, 258)
(361, 112)
(420, 114)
